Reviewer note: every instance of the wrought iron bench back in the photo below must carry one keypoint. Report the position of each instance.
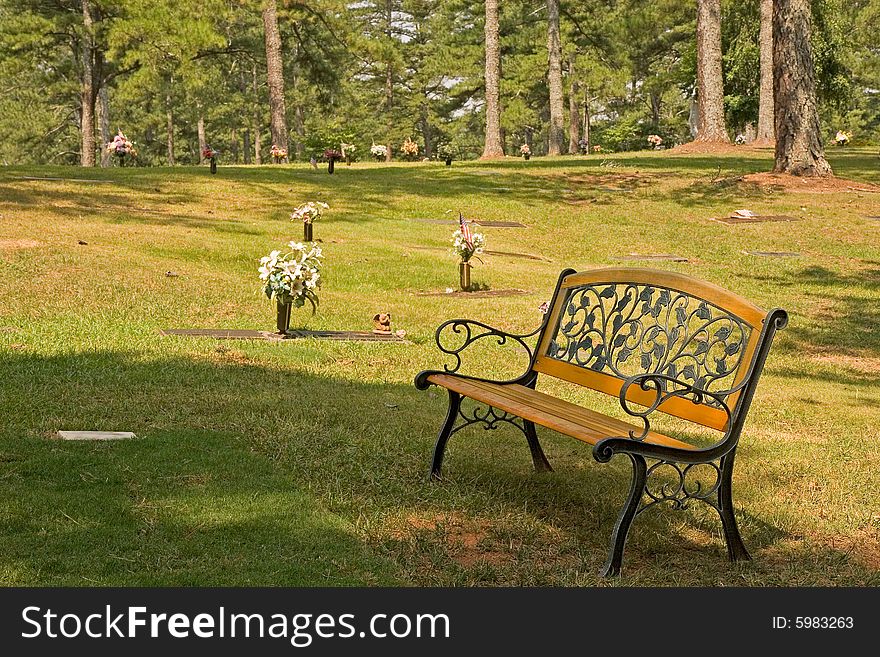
(607, 325)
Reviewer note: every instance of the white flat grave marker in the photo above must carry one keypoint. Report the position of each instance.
(95, 435)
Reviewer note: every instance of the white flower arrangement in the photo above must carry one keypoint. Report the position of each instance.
(465, 249)
(525, 150)
(655, 140)
(293, 277)
(309, 212)
(842, 137)
(379, 151)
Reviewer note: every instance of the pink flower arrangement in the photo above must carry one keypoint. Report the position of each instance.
(121, 146)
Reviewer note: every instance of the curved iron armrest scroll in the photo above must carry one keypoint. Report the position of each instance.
(466, 332)
(665, 388)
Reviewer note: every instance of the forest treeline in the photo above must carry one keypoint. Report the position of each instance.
(310, 75)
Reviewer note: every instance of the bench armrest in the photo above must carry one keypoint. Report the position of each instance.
(456, 335)
(664, 388)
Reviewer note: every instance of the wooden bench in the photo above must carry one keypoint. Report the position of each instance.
(659, 341)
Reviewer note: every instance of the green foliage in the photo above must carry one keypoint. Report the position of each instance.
(383, 70)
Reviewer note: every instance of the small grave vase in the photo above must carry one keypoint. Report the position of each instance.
(449, 161)
(330, 165)
(283, 320)
(213, 165)
(307, 232)
(526, 156)
(464, 276)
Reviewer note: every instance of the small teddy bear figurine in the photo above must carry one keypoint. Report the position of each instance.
(382, 323)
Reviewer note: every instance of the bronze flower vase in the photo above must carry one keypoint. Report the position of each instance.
(213, 165)
(464, 276)
(307, 231)
(330, 165)
(283, 319)
(449, 161)
(526, 156)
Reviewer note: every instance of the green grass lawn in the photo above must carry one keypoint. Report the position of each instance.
(304, 463)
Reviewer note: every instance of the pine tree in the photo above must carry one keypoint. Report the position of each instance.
(710, 85)
(798, 141)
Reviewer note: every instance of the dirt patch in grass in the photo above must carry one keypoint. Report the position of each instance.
(866, 364)
(14, 245)
(714, 148)
(466, 541)
(824, 185)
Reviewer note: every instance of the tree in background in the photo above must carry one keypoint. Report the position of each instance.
(798, 144)
(275, 75)
(493, 146)
(556, 139)
(765, 134)
(710, 85)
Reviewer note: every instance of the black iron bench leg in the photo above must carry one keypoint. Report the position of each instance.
(627, 513)
(538, 456)
(445, 432)
(736, 550)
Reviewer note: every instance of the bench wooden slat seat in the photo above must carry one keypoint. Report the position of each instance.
(661, 343)
(551, 412)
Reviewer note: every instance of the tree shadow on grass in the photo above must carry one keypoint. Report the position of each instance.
(253, 474)
(848, 311)
(199, 498)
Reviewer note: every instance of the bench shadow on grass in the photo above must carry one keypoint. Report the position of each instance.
(229, 480)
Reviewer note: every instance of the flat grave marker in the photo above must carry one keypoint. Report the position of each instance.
(88, 180)
(667, 257)
(95, 435)
(476, 294)
(756, 219)
(292, 334)
(773, 254)
(485, 224)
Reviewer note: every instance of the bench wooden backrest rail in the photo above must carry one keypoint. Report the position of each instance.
(606, 325)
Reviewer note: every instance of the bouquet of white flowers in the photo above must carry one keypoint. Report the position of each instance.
(309, 212)
(465, 243)
(379, 151)
(293, 277)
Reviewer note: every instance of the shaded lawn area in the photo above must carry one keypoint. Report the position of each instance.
(304, 463)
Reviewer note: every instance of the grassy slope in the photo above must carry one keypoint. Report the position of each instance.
(304, 463)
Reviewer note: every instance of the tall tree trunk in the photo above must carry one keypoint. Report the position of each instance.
(574, 110)
(246, 145)
(203, 143)
(299, 130)
(169, 129)
(587, 120)
(89, 87)
(425, 127)
(765, 99)
(389, 84)
(556, 142)
(246, 131)
(258, 130)
(103, 111)
(798, 144)
(234, 146)
(694, 116)
(710, 84)
(655, 109)
(389, 117)
(493, 146)
(275, 75)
